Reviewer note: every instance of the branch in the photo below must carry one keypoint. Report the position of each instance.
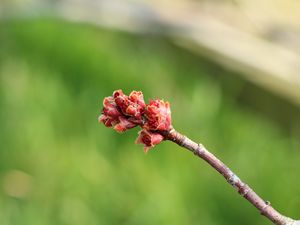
(243, 189)
(123, 112)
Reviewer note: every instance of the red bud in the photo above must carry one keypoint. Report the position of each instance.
(149, 139)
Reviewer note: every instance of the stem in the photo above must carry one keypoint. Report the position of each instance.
(243, 189)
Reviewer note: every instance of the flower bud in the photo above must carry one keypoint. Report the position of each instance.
(149, 139)
(123, 112)
(110, 107)
(158, 116)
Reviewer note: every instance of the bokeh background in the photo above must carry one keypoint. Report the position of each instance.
(59, 166)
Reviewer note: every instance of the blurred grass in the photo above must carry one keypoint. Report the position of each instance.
(59, 166)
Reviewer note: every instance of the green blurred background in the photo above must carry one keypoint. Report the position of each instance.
(59, 166)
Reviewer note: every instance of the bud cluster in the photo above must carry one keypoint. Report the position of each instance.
(123, 112)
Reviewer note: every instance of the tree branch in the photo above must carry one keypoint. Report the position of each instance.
(124, 112)
(243, 189)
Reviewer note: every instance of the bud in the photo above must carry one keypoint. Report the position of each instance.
(110, 113)
(123, 112)
(158, 116)
(149, 139)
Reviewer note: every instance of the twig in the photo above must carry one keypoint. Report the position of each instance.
(123, 112)
(243, 189)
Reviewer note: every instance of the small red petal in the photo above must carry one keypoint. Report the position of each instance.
(118, 93)
(106, 120)
(137, 97)
(124, 124)
(131, 110)
(101, 118)
(119, 128)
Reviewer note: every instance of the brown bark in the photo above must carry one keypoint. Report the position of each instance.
(243, 189)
